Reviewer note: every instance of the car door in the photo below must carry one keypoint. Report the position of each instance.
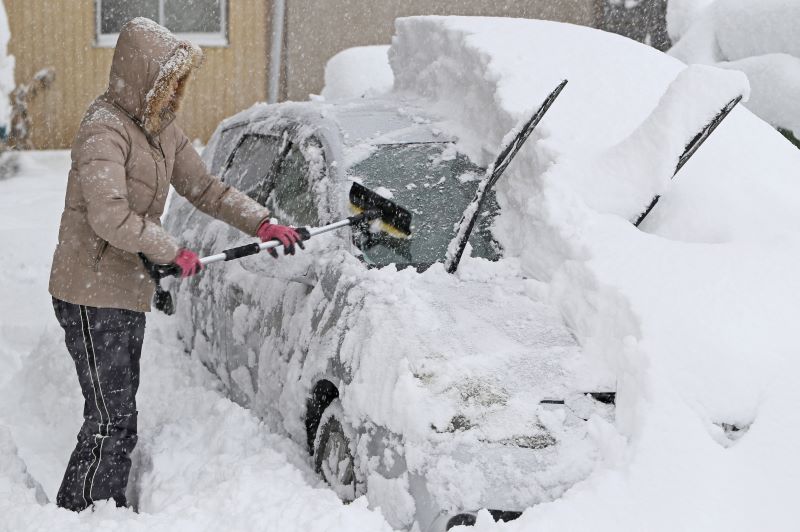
(270, 295)
(248, 168)
(201, 310)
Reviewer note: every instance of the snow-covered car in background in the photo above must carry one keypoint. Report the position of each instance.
(435, 394)
(757, 38)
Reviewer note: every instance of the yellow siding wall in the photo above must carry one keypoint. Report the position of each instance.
(61, 33)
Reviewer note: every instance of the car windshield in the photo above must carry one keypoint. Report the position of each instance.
(435, 183)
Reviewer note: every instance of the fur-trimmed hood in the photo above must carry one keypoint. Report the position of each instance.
(149, 65)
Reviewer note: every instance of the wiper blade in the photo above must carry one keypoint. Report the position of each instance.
(456, 247)
(691, 148)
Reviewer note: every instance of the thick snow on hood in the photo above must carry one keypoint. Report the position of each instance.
(695, 312)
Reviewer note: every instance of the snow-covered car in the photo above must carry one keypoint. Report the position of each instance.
(439, 394)
(434, 394)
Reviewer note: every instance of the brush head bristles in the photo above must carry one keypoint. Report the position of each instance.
(394, 220)
(382, 226)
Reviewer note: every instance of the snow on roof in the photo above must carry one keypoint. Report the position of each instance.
(351, 128)
(384, 122)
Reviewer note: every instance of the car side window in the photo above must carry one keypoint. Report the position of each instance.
(291, 198)
(227, 141)
(250, 165)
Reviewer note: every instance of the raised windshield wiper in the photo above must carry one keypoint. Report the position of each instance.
(511, 145)
(691, 148)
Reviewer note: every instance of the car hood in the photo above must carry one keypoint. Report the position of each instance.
(434, 353)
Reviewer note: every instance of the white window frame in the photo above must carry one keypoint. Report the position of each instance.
(210, 39)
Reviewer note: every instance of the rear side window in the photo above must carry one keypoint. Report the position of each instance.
(291, 198)
(227, 141)
(250, 166)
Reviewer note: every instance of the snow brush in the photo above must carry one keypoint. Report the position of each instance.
(371, 211)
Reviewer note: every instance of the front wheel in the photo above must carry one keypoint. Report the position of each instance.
(334, 452)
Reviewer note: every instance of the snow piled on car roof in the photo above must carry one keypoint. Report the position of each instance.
(695, 313)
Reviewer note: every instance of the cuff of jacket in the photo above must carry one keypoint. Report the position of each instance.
(166, 254)
(251, 218)
(261, 222)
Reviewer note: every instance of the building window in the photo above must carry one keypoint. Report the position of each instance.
(203, 22)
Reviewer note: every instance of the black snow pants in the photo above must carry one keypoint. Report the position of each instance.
(105, 344)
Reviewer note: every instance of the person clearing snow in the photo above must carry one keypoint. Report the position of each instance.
(127, 152)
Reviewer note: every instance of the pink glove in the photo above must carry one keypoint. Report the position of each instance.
(188, 262)
(287, 236)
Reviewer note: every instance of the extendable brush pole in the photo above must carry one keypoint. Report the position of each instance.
(305, 234)
(370, 207)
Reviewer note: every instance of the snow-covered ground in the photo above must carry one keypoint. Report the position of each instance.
(202, 463)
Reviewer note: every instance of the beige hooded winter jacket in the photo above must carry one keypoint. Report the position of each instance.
(125, 155)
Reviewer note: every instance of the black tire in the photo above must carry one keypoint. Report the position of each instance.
(335, 458)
